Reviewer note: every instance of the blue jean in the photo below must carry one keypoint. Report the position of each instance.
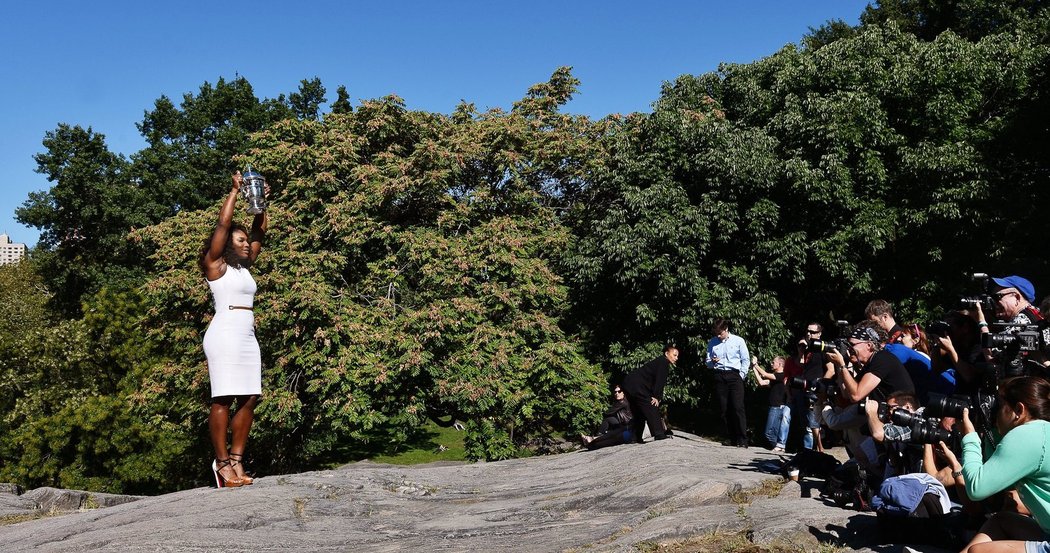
(778, 423)
(802, 410)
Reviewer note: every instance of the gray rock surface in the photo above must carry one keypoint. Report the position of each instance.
(615, 499)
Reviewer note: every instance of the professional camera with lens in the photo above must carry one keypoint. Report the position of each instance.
(929, 431)
(940, 406)
(923, 430)
(811, 388)
(883, 413)
(938, 328)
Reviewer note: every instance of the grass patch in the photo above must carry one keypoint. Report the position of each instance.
(769, 488)
(436, 444)
(426, 444)
(15, 519)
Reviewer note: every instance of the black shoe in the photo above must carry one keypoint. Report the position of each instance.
(664, 437)
(742, 443)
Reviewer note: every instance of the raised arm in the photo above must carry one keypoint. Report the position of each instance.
(211, 261)
(258, 232)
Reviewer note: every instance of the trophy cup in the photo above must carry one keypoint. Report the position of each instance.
(253, 187)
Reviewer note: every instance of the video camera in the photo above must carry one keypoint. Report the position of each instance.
(983, 298)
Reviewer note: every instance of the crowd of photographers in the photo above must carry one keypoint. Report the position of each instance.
(946, 424)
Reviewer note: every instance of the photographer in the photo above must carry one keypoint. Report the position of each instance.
(812, 366)
(956, 354)
(881, 313)
(1013, 301)
(778, 422)
(883, 432)
(1021, 459)
(842, 415)
(901, 455)
(881, 372)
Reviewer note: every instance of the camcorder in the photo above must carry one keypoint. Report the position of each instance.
(983, 298)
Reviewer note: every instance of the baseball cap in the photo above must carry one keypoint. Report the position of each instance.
(1022, 284)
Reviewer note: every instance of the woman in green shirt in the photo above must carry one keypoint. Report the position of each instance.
(1021, 460)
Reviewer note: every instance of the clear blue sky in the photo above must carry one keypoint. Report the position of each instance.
(102, 64)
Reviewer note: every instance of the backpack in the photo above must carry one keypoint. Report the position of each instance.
(926, 523)
(813, 463)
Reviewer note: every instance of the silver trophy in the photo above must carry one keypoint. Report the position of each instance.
(253, 186)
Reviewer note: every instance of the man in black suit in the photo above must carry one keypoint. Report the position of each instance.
(645, 390)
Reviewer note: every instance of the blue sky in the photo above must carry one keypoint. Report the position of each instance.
(102, 64)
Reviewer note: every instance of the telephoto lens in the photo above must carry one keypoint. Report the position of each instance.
(941, 406)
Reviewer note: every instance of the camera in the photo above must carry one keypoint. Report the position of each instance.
(923, 430)
(1012, 345)
(813, 388)
(1024, 338)
(929, 431)
(938, 328)
(983, 298)
(941, 406)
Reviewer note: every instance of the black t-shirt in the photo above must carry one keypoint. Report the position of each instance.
(893, 376)
(777, 391)
(813, 368)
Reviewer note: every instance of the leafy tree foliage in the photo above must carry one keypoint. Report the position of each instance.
(972, 19)
(99, 197)
(481, 267)
(408, 275)
(800, 185)
(83, 218)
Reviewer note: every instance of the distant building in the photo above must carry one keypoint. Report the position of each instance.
(11, 252)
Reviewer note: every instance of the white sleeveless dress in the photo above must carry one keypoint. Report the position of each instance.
(234, 361)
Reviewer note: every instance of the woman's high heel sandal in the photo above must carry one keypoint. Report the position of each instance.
(235, 460)
(221, 481)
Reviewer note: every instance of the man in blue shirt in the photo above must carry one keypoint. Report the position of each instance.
(727, 354)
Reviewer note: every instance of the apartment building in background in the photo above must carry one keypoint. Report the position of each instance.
(11, 252)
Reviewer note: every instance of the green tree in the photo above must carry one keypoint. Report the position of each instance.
(408, 275)
(84, 217)
(306, 102)
(342, 101)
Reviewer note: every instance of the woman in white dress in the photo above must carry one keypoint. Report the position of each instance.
(234, 362)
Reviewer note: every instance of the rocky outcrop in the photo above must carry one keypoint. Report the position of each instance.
(615, 499)
(48, 501)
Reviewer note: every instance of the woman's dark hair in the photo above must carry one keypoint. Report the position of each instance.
(230, 255)
(1032, 391)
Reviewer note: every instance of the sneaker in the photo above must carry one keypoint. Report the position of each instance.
(779, 449)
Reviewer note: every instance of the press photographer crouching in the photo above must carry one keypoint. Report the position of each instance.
(881, 373)
(900, 429)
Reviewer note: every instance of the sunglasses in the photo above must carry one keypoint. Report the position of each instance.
(617, 391)
(808, 331)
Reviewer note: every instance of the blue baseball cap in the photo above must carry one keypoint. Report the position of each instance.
(1013, 281)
